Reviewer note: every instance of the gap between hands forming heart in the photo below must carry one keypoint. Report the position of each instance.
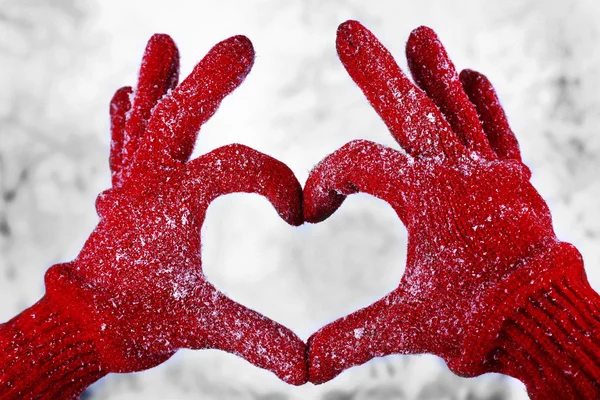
(303, 277)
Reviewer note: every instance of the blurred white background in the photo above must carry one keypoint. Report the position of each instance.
(61, 61)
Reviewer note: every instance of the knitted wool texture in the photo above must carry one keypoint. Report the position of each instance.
(136, 292)
(487, 286)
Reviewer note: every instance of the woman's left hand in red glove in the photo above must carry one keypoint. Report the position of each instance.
(136, 292)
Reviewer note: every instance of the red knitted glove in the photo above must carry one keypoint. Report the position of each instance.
(487, 285)
(136, 292)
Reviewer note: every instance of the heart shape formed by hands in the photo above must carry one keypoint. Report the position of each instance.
(479, 234)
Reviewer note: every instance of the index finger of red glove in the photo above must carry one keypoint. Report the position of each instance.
(239, 168)
(358, 166)
(231, 327)
(159, 73)
(412, 118)
(388, 326)
(175, 122)
(495, 124)
(434, 72)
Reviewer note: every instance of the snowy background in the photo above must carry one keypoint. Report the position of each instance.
(61, 60)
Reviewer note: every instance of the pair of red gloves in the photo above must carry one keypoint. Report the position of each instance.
(488, 286)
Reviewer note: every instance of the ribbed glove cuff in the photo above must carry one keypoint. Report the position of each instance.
(46, 355)
(551, 342)
(541, 325)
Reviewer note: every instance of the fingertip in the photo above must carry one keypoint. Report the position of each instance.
(163, 45)
(419, 39)
(312, 359)
(297, 375)
(242, 47)
(319, 203)
(422, 32)
(469, 74)
(349, 26)
(292, 370)
(161, 39)
(123, 91)
(319, 369)
(470, 79)
(243, 43)
(475, 83)
(348, 38)
(121, 101)
(329, 205)
(297, 379)
(293, 218)
(230, 61)
(293, 214)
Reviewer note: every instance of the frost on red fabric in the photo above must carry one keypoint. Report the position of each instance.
(136, 292)
(485, 273)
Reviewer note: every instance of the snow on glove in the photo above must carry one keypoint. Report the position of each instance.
(487, 285)
(136, 292)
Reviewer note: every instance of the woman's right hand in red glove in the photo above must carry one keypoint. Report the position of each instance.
(487, 284)
(136, 292)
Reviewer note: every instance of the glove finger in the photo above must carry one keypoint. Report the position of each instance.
(239, 168)
(358, 166)
(434, 72)
(412, 118)
(231, 327)
(175, 122)
(386, 327)
(159, 73)
(490, 111)
(119, 106)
